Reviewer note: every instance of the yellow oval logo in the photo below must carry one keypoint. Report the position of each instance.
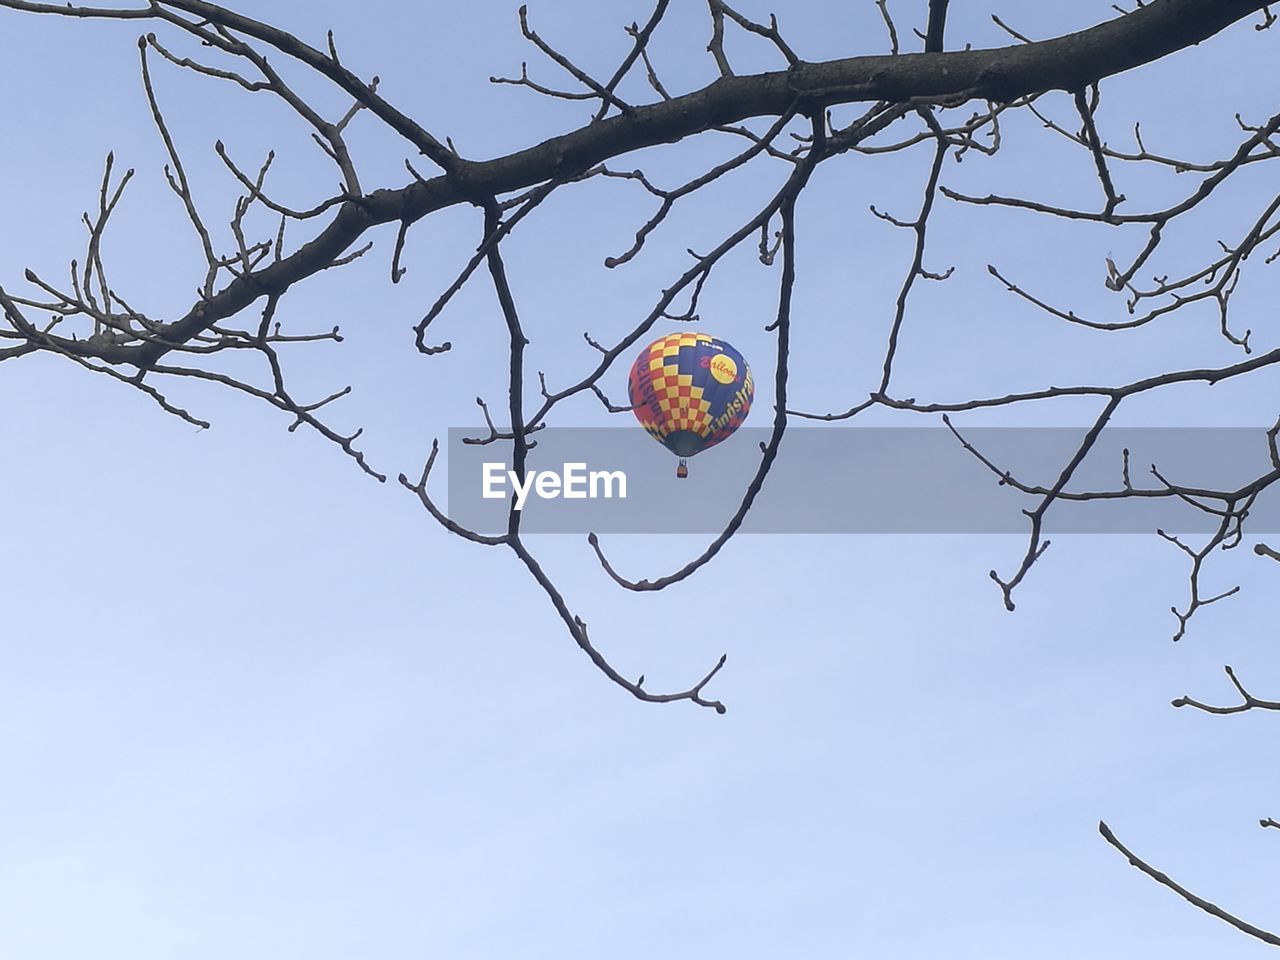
(723, 368)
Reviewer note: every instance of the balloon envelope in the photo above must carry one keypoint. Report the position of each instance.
(690, 391)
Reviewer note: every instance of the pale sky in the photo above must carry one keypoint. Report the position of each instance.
(255, 704)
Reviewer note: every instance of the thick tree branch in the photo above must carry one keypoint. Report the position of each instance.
(1000, 75)
(937, 25)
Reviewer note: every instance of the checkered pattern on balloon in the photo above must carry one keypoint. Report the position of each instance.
(690, 391)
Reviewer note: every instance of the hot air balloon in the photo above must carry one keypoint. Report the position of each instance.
(690, 391)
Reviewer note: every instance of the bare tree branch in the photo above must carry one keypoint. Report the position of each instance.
(1199, 902)
(1247, 700)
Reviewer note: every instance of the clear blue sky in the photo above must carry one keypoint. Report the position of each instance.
(255, 705)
